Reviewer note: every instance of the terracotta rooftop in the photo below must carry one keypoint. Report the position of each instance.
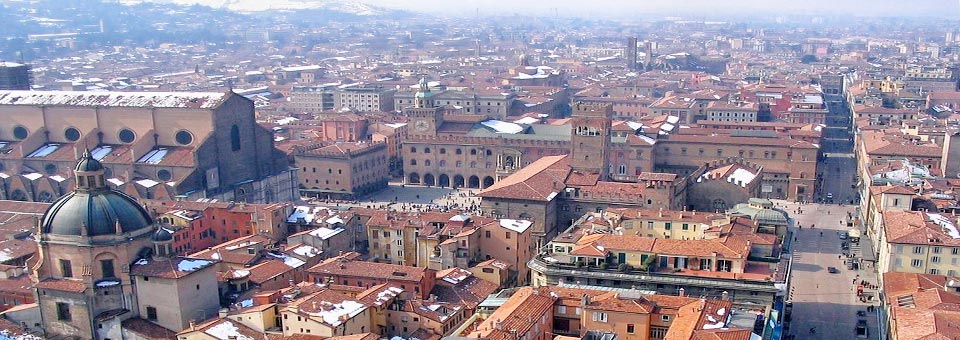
(65, 285)
(341, 266)
(541, 180)
(923, 306)
(148, 330)
(171, 268)
(520, 312)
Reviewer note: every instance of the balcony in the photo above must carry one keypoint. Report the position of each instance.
(667, 277)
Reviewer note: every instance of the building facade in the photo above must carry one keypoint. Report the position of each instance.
(152, 145)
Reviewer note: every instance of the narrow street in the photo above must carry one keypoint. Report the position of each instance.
(825, 301)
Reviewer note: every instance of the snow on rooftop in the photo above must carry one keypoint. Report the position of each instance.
(635, 125)
(721, 311)
(946, 224)
(301, 68)
(715, 325)
(666, 127)
(334, 220)
(33, 176)
(58, 178)
(287, 120)
(458, 278)
(503, 127)
(741, 177)
(649, 140)
(519, 226)
(387, 294)
(325, 233)
(225, 330)
(331, 313)
(147, 183)
(527, 120)
(306, 251)
(291, 262)
(191, 265)
(201, 100)
(304, 212)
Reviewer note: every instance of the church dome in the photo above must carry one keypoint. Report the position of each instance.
(162, 235)
(93, 209)
(94, 213)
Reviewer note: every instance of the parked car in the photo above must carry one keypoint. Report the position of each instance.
(833, 270)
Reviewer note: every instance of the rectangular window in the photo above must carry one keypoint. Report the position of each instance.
(918, 250)
(63, 311)
(508, 235)
(152, 313)
(649, 224)
(630, 328)
(599, 316)
(686, 226)
(65, 268)
(916, 263)
(935, 259)
(658, 332)
(561, 309)
(106, 267)
(667, 225)
(937, 250)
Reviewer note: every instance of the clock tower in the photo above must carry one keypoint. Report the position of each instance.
(424, 116)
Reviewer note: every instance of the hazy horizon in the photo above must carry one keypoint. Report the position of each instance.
(615, 8)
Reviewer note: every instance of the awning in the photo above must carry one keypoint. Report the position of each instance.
(853, 233)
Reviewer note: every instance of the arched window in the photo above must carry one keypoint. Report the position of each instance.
(235, 138)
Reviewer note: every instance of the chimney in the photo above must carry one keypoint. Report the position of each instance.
(498, 324)
(222, 313)
(683, 292)
(193, 325)
(584, 300)
(725, 296)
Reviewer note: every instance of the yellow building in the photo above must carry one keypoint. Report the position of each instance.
(919, 242)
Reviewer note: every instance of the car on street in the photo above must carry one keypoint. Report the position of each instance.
(833, 270)
(829, 195)
(843, 236)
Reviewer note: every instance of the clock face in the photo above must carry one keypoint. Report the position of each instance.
(421, 125)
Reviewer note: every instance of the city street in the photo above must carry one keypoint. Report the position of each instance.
(837, 170)
(824, 301)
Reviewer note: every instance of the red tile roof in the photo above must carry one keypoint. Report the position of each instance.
(64, 285)
(541, 180)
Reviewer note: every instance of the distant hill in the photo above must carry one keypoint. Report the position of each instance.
(246, 6)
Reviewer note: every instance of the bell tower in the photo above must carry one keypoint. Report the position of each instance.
(425, 116)
(590, 139)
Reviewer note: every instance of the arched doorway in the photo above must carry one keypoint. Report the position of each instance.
(443, 181)
(414, 178)
(487, 181)
(428, 180)
(458, 181)
(474, 182)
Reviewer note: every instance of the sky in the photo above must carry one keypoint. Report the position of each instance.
(941, 8)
